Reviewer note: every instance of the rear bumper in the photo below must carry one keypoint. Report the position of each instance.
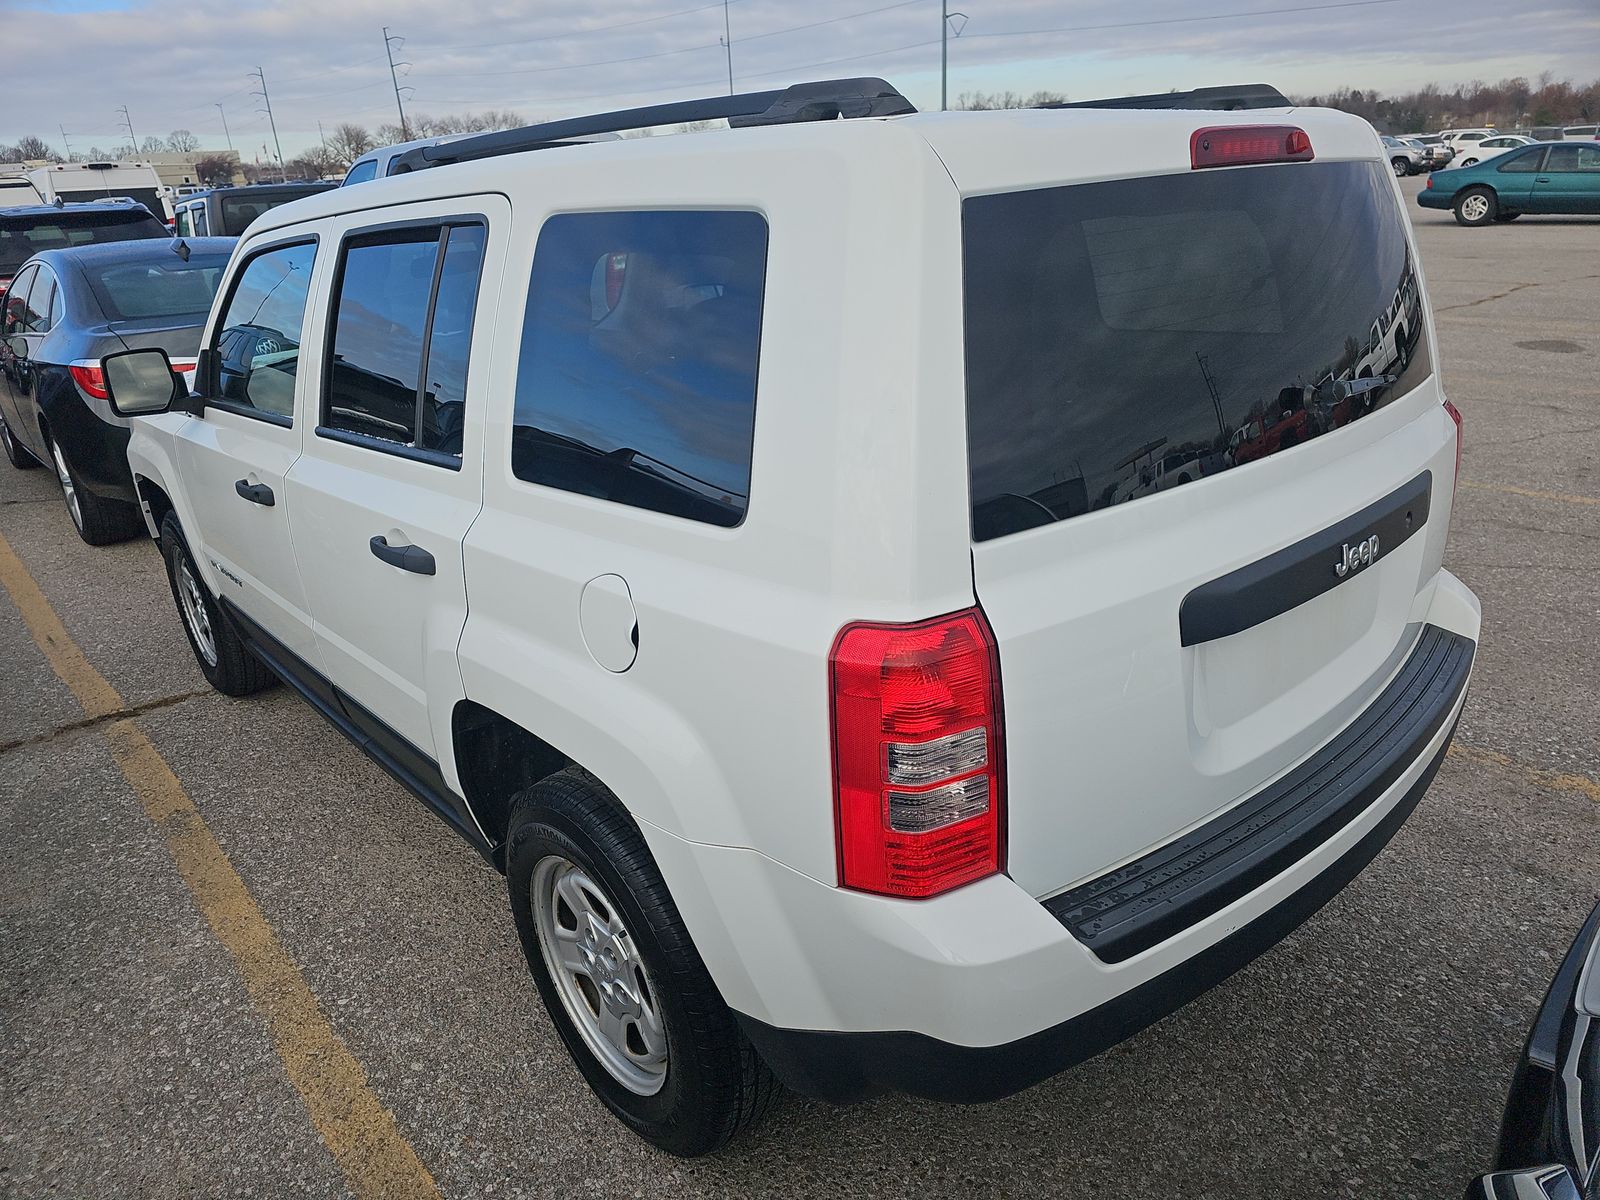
(1435, 198)
(845, 1067)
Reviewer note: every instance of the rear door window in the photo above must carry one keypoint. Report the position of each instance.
(637, 377)
(1128, 337)
(404, 301)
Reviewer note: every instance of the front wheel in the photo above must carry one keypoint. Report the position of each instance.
(1476, 207)
(1401, 167)
(218, 649)
(622, 981)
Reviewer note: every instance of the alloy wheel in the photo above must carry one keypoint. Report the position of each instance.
(68, 488)
(598, 974)
(1475, 207)
(195, 616)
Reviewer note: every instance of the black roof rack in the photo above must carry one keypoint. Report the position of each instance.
(826, 100)
(1227, 97)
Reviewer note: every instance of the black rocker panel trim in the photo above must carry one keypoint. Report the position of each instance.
(417, 771)
(1289, 577)
(1153, 898)
(842, 1068)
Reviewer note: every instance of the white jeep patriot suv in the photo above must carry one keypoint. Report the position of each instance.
(738, 539)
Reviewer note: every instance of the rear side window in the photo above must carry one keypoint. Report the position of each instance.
(401, 327)
(637, 379)
(1128, 337)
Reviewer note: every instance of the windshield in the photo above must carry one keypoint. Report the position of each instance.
(1138, 335)
(128, 291)
(23, 236)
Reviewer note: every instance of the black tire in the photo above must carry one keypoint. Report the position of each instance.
(1484, 214)
(16, 453)
(99, 521)
(715, 1085)
(236, 672)
(1402, 167)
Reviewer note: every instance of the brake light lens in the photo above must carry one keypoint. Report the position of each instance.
(918, 785)
(1242, 145)
(1455, 415)
(89, 377)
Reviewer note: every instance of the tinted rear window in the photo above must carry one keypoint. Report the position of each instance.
(637, 381)
(22, 237)
(177, 289)
(239, 210)
(1128, 337)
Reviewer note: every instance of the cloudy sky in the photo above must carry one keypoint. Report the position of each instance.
(73, 62)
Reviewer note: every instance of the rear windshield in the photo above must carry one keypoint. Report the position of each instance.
(238, 211)
(1128, 337)
(130, 290)
(21, 237)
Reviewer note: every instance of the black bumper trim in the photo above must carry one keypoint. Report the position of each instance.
(842, 1068)
(1143, 903)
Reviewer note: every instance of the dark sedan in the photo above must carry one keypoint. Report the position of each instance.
(63, 312)
(1550, 1139)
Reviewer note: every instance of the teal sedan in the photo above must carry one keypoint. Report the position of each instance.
(1549, 177)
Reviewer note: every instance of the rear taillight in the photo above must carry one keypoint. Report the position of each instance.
(89, 377)
(919, 792)
(616, 276)
(1241, 145)
(1455, 415)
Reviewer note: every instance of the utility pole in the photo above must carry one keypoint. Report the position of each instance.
(945, 16)
(322, 137)
(283, 174)
(1211, 386)
(64, 141)
(225, 132)
(388, 48)
(727, 44)
(127, 122)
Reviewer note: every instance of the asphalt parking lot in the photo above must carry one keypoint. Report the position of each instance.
(227, 940)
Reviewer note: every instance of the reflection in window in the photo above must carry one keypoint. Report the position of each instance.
(384, 340)
(258, 345)
(637, 379)
(1129, 337)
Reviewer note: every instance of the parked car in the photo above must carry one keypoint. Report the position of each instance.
(25, 229)
(227, 212)
(1581, 132)
(1439, 152)
(1405, 157)
(821, 727)
(1550, 1136)
(1490, 147)
(1464, 140)
(1546, 178)
(67, 309)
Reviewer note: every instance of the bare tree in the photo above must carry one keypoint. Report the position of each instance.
(314, 163)
(214, 170)
(349, 142)
(181, 141)
(31, 149)
(152, 145)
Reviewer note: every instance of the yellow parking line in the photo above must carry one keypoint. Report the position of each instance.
(1530, 493)
(1562, 780)
(373, 1154)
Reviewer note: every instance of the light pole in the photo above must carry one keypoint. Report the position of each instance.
(727, 42)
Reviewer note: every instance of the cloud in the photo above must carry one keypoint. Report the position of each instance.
(326, 61)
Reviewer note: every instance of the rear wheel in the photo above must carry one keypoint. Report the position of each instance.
(1470, 162)
(15, 454)
(218, 648)
(622, 981)
(1476, 206)
(98, 521)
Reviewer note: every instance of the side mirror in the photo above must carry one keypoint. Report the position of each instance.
(141, 382)
(18, 345)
